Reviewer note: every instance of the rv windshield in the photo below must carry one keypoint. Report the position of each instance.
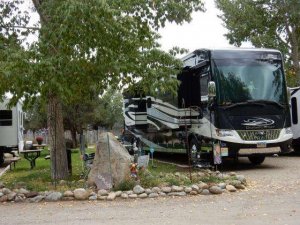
(242, 80)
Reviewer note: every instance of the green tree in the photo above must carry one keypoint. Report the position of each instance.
(265, 23)
(109, 111)
(86, 45)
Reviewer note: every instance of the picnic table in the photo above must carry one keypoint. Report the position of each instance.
(31, 156)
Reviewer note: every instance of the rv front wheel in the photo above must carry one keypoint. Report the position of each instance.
(257, 159)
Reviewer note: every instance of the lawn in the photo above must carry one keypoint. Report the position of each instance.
(39, 178)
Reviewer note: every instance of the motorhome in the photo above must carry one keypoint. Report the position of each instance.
(295, 115)
(11, 128)
(229, 103)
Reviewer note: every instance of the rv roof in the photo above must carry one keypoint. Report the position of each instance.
(199, 55)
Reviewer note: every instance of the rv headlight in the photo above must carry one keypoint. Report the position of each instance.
(224, 133)
(288, 130)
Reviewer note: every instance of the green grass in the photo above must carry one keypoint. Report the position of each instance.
(39, 178)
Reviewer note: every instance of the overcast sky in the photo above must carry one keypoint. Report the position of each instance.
(204, 31)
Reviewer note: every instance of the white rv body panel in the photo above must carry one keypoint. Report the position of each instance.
(295, 111)
(11, 134)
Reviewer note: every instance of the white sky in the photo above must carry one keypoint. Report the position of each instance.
(204, 31)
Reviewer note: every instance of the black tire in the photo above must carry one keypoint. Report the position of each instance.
(256, 159)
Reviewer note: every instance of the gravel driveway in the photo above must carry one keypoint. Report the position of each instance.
(273, 197)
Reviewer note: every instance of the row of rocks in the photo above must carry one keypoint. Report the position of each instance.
(22, 195)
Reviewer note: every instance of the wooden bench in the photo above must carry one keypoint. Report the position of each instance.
(13, 161)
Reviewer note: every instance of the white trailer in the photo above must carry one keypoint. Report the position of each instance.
(295, 116)
(11, 128)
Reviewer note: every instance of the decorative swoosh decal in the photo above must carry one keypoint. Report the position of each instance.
(257, 121)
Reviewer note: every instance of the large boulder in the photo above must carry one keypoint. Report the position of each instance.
(111, 163)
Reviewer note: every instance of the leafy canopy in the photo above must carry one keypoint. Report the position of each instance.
(266, 24)
(87, 46)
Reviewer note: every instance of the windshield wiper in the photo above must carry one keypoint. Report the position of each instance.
(255, 102)
(243, 103)
(267, 102)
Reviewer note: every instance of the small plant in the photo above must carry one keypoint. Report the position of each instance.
(39, 139)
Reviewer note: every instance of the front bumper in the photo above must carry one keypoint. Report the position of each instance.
(236, 149)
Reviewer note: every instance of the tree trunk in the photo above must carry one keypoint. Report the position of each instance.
(59, 165)
(74, 137)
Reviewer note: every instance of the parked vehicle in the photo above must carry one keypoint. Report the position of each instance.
(11, 129)
(230, 103)
(295, 104)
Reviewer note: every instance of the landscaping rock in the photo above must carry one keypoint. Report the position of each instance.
(241, 178)
(103, 192)
(138, 189)
(148, 191)
(53, 197)
(222, 185)
(129, 192)
(114, 161)
(230, 188)
(124, 195)
(156, 190)
(205, 192)
(19, 198)
(102, 197)
(118, 193)
(153, 195)
(201, 174)
(81, 194)
(181, 193)
(111, 196)
(68, 194)
(1, 194)
(188, 189)
(166, 189)
(93, 197)
(177, 188)
(36, 199)
(6, 191)
(23, 191)
(11, 196)
(32, 194)
(2, 184)
(193, 193)
(68, 198)
(195, 187)
(132, 196)
(163, 194)
(215, 190)
(143, 195)
(240, 186)
(4, 198)
(203, 185)
(232, 174)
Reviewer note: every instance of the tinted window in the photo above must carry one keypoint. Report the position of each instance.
(5, 117)
(294, 110)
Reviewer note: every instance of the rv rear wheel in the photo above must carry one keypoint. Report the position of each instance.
(256, 159)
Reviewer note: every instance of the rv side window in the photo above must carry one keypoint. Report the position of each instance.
(5, 118)
(294, 110)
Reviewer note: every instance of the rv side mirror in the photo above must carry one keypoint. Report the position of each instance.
(149, 102)
(211, 89)
(288, 91)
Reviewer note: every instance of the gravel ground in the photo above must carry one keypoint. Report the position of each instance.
(272, 197)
